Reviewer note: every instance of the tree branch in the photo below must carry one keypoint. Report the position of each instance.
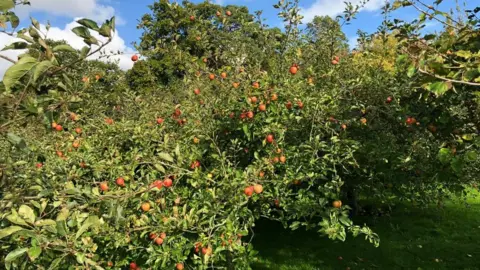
(433, 16)
(8, 58)
(447, 79)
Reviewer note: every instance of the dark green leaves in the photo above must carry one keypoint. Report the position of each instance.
(105, 30)
(81, 31)
(89, 24)
(14, 20)
(19, 45)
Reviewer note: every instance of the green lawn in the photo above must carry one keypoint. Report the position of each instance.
(410, 239)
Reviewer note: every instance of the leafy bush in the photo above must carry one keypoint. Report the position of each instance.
(170, 165)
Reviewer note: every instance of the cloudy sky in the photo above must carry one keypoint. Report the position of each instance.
(62, 14)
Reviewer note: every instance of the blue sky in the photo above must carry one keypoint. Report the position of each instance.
(367, 20)
(62, 13)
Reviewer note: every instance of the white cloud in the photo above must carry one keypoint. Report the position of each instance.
(353, 42)
(335, 7)
(12, 54)
(56, 33)
(91, 9)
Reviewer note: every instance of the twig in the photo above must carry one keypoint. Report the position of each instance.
(447, 79)
(8, 58)
(433, 16)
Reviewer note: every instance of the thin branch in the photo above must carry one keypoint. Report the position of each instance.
(7, 33)
(8, 59)
(425, 5)
(432, 16)
(447, 79)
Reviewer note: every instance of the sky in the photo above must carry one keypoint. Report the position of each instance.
(63, 13)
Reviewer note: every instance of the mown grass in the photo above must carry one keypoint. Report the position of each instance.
(411, 238)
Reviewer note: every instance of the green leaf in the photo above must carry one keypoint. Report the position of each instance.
(9, 231)
(41, 68)
(246, 131)
(445, 155)
(469, 75)
(467, 137)
(456, 165)
(33, 33)
(112, 23)
(34, 252)
(439, 88)
(55, 263)
(81, 31)
(91, 221)
(35, 23)
(63, 214)
(64, 48)
(15, 219)
(89, 24)
(14, 20)
(15, 254)
(19, 45)
(105, 30)
(27, 213)
(45, 222)
(6, 5)
(90, 262)
(26, 38)
(472, 155)
(464, 54)
(91, 40)
(165, 156)
(411, 71)
(159, 168)
(17, 71)
(84, 52)
(16, 141)
(62, 229)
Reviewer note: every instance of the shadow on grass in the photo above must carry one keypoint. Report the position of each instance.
(411, 238)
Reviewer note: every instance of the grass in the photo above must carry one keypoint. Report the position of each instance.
(411, 238)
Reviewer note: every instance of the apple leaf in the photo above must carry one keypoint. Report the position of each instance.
(27, 213)
(445, 155)
(440, 88)
(12, 256)
(89, 24)
(17, 71)
(165, 156)
(9, 231)
(64, 48)
(34, 252)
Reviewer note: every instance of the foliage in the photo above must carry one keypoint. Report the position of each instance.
(224, 121)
